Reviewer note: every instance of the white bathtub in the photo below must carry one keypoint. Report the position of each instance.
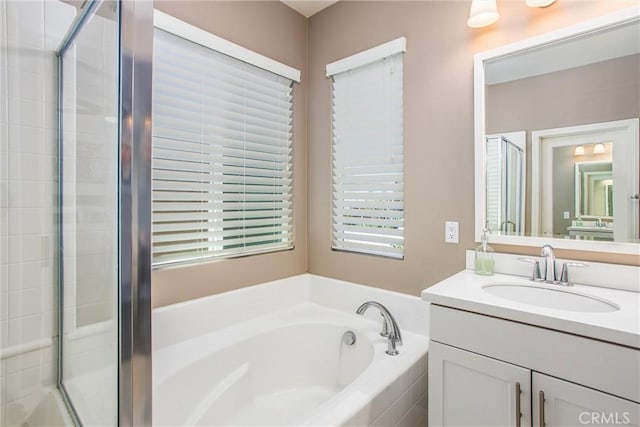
(284, 363)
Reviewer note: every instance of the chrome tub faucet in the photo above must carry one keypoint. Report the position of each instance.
(390, 328)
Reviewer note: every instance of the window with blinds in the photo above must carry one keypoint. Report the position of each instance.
(222, 154)
(368, 193)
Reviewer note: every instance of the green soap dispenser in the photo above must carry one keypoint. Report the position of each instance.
(485, 264)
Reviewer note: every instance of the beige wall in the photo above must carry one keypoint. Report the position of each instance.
(438, 130)
(276, 31)
(594, 93)
(438, 124)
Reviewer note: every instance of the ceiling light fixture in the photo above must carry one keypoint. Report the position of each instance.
(579, 151)
(482, 13)
(540, 3)
(598, 148)
(485, 12)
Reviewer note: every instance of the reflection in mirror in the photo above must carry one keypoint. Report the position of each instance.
(574, 96)
(573, 172)
(594, 190)
(505, 208)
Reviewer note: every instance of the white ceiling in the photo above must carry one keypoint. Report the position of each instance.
(308, 7)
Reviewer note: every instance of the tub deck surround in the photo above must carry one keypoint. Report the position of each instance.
(199, 316)
(277, 358)
(464, 291)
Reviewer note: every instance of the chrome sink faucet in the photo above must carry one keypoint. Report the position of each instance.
(390, 328)
(550, 269)
(549, 257)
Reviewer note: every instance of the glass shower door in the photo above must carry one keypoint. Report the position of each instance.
(505, 186)
(89, 166)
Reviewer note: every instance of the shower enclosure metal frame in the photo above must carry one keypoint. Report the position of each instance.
(135, 52)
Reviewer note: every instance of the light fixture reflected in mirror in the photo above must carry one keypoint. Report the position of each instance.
(579, 151)
(540, 3)
(482, 13)
(598, 148)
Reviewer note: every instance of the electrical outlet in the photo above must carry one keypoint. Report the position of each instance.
(566, 215)
(451, 232)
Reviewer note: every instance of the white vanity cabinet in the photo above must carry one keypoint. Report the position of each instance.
(488, 371)
(562, 403)
(467, 389)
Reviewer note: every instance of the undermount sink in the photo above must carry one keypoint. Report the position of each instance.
(559, 299)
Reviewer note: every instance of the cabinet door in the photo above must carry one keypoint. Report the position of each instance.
(558, 403)
(466, 389)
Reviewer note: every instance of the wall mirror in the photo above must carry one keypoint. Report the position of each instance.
(556, 138)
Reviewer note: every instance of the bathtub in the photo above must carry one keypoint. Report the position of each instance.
(285, 363)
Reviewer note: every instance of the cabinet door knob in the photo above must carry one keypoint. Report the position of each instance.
(541, 408)
(518, 414)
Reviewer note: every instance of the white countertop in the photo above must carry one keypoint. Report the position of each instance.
(464, 291)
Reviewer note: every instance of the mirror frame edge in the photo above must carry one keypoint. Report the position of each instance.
(616, 18)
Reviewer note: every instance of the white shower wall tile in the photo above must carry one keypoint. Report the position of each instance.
(26, 85)
(30, 248)
(25, 23)
(27, 329)
(4, 334)
(28, 275)
(28, 142)
(58, 16)
(25, 221)
(25, 112)
(28, 194)
(3, 29)
(4, 306)
(31, 140)
(32, 167)
(4, 132)
(25, 377)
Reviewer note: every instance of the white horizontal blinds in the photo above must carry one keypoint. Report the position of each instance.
(368, 183)
(222, 154)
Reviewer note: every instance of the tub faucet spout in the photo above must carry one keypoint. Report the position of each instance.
(390, 328)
